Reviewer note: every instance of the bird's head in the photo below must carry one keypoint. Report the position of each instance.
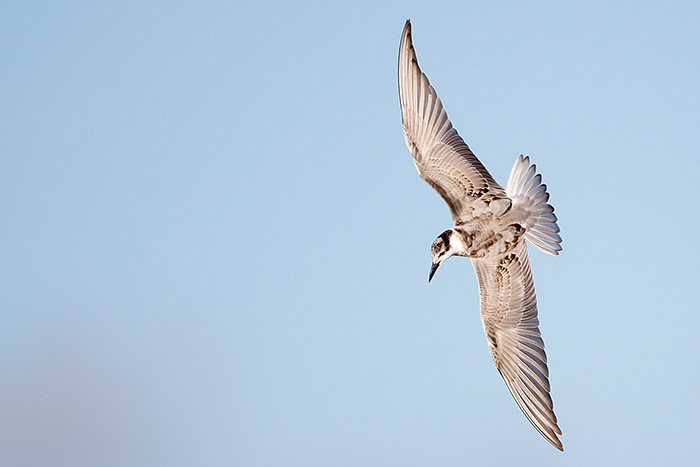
(443, 247)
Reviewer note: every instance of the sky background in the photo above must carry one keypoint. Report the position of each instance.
(215, 245)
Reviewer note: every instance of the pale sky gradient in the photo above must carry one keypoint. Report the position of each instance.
(215, 245)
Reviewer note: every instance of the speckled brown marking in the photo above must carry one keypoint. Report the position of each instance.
(517, 231)
(492, 241)
(491, 336)
(510, 205)
(507, 261)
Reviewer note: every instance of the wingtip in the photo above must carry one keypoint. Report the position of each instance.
(557, 444)
(406, 45)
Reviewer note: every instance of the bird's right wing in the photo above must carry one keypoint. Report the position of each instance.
(509, 316)
(442, 158)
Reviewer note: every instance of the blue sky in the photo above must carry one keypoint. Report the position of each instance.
(215, 245)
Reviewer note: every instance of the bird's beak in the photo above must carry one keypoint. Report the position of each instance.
(433, 268)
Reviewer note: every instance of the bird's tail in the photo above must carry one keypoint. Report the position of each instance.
(527, 191)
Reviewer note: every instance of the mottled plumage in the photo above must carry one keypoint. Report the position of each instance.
(492, 228)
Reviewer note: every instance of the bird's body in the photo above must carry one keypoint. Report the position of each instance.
(492, 227)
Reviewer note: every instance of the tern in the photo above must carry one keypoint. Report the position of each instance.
(492, 227)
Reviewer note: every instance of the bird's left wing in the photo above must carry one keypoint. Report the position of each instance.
(441, 156)
(509, 316)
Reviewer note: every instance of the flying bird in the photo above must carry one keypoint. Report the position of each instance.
(492, 227)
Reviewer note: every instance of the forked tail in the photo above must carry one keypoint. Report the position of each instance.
(527, 191)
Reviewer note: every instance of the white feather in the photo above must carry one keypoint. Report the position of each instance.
(530, 195)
